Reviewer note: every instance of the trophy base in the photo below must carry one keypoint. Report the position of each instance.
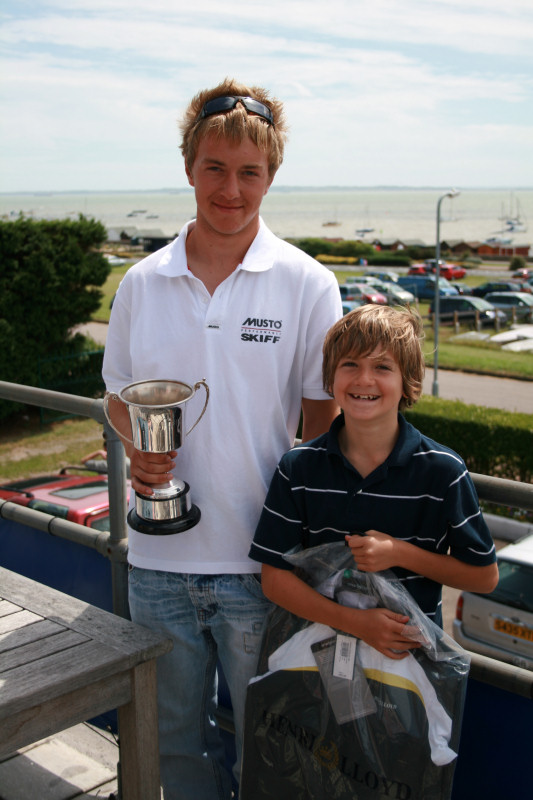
(165, 527)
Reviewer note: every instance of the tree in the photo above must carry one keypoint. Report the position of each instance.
(50, 274)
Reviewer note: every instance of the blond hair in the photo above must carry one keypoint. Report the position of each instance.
(370, 327)
(236, 124)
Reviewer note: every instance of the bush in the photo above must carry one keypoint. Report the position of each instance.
(517, 262)
(389, 259)
(336, 260)
(491, 441)
(48, 285)
(344, 247)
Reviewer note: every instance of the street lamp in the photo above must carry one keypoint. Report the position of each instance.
(436, 303)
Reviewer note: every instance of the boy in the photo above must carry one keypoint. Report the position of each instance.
(229, 302)
(375, 473)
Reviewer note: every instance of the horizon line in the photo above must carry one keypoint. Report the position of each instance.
(273, 188)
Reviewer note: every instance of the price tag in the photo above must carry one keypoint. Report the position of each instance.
(344, 661)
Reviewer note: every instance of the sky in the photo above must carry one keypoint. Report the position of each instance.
(376, 92)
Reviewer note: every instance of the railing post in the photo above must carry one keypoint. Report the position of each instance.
(456, 321)
(118, 507)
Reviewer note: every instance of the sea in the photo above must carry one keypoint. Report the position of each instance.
(348, 213)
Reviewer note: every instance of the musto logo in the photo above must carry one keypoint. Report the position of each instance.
(255, 329)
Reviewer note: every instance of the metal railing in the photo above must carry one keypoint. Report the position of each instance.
(114, 544)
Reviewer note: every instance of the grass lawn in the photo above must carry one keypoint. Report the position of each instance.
(109, 289)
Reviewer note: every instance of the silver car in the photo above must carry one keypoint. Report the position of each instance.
(500, 624)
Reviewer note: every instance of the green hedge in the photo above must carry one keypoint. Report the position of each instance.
(50, 276)
(491, 441)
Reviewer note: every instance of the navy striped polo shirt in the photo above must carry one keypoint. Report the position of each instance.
(422, 493)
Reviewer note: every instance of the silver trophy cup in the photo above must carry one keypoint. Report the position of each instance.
(157, 409)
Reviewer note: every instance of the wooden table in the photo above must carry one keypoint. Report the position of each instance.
(63, 661)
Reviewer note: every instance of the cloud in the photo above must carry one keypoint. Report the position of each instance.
(376, 91)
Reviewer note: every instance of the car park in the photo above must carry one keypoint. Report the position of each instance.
(501, 286)
(468, 309)
(500, 624)
(517, 305)
(423, 286)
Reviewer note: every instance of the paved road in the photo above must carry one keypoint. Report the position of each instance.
(481, 390)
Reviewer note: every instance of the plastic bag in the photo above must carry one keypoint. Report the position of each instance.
(388, 730)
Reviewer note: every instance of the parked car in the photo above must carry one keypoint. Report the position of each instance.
(448, 271)
(79, 498)
(520, 303)
(396, 295)
(500, 624)
(351, 305)
(462, 288)
(467, 309)
(418, 269)
(523, 274)
(360, 291)
(384, 275)
(57, 562)
(423, 286)
(501, 286)
(368, 294)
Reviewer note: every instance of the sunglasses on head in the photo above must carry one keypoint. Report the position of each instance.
(221, 104)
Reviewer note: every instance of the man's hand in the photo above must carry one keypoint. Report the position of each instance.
(373, 552)
(150, 469)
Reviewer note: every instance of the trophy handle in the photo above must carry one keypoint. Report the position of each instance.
(115, 396)
(195, 387)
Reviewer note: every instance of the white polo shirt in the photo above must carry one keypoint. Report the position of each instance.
(257, 341)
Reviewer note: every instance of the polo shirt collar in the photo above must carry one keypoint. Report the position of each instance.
(260, 255)
(407, 443)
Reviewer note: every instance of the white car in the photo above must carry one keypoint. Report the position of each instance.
(500, 624)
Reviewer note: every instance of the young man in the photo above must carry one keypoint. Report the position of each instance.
(229, 302)
(400, 500)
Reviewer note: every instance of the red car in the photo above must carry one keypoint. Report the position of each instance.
(451, 272)
(79, 498)
(366, 293)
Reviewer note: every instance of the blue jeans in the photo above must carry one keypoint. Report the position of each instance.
(208, 617)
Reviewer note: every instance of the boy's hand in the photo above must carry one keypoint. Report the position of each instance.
(386, 632)
(372, 552)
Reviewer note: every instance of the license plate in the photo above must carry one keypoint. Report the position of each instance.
(511, 629)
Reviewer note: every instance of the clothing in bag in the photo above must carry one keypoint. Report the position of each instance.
(330, 718)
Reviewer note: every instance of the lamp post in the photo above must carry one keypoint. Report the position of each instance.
(436, 303)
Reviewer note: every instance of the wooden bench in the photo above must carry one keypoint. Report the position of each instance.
(63, 661)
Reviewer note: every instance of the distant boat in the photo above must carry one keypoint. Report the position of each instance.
(513, 220)
(332, 223)
(498, 240)
(152, 216)
(365, 228)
